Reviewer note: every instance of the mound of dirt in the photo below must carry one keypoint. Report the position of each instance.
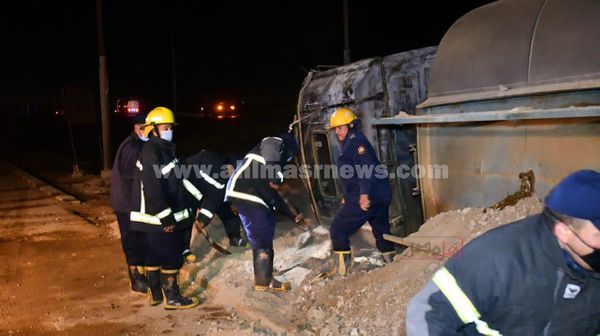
(374, 302)
(370, 301)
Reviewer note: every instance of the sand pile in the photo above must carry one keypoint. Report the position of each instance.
(370, 301)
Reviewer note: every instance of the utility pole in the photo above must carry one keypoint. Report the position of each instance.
(173, 65)
(103, 93)
(346, 32)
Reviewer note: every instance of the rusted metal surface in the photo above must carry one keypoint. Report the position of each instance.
(527, 189)
(519, 113)
(373, 88)
(483, 159)
(514, 44)
(538, 54)
(515, 87)
(506, 92)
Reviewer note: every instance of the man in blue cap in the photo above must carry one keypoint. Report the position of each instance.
(133, 242)
(537, 276)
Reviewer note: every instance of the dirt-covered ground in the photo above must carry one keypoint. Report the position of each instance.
(63, 272)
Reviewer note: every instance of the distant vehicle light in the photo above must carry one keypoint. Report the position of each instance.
(233, 117)
(219, 107)
(130, 108)
(220, 117)
(232, 107)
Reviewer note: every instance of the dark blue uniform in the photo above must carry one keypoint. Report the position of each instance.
(361, 173)
(205, 190)
(133, 242)
(249, 190)
(515, 280)
(158, 202)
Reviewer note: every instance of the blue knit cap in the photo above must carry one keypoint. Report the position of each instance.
(577, 195)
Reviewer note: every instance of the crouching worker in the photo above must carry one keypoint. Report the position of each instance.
(253, 191)
(205, 190)
(157, 211)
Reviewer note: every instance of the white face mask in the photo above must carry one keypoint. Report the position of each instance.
(143, 138)
(167, 135)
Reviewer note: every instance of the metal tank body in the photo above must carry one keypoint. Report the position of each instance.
(515, 86)
(373, 88)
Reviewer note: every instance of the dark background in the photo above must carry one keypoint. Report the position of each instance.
(255, 51)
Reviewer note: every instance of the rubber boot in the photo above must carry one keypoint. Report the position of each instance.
(342, 263)
(189, 257)
(172, 296)
(263, 272)
(155, 295)
(139, 284)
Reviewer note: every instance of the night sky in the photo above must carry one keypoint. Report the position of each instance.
(253, 50)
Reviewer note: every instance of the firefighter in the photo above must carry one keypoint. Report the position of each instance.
(205, 190)
(133, 242)
(158, 211)
(366, 196)
(253, 191)
(537, 276)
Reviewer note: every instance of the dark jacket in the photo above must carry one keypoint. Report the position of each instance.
(157, 190)
(123, 169)
(517, 279)
(205, 185)
(250, 181)
(361, 172)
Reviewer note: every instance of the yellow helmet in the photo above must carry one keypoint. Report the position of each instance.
(341, 116)
(159, 115)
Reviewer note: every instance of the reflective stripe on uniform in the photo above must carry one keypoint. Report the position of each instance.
(230, 192)
(256, 157)
(191, 188)
(280, 175)
(462, 305)
(181, 215)
(239, 172)
(135, 216)
(142, 198)
(164, 213)
(155, 220)
(166, 169)
(211, 180)
(139, 165)
(244, 196)
(206, 213)
(249, 158)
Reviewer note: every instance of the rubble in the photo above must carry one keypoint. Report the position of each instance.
(370, 301)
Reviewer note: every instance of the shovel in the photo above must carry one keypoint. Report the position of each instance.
(202, 229)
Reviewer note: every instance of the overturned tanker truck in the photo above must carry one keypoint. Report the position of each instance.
(511, 93)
